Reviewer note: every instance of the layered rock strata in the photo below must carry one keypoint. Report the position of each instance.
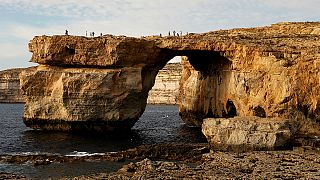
(166, 86)
(94, 83)
(10, 91)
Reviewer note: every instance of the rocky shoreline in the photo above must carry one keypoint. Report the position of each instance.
(189, 161)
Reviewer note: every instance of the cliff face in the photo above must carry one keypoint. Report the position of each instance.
(102, 83)
(10, 91)
(166, 86)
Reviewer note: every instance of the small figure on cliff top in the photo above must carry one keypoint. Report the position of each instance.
(169, 33)
(86, 33)
(180, 33)
(160, 35)
(174, 33)
(66, 32)
(100, 34)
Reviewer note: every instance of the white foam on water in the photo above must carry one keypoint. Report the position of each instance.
(82, 154)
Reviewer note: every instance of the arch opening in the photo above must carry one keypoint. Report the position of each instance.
(202, 90)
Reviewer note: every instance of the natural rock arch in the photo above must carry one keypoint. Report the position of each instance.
(102, 83)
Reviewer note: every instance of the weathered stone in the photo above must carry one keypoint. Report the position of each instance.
(100, 52)
(249, 133)
(83, 99)
(268, 72)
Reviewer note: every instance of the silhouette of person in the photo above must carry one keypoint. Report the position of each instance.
(100, 34)
(92, 34)
(174, 33)
(66, 32)
(86, 33)
(160, 35)
(169, 33)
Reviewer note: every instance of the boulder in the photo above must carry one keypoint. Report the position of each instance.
(249, 133)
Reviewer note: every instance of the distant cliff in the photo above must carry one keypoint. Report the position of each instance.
(10, 91)
(166, 87)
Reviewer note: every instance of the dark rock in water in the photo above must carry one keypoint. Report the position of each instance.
(179, 161)
(11, 176)
(178, 152)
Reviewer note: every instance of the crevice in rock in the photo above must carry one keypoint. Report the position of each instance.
(231, 109)
(259, 111)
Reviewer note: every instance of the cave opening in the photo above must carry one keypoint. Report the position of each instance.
(204, 87)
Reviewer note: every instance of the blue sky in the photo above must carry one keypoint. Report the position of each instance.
(21, 20)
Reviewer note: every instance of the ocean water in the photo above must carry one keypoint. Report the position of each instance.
(158, 124)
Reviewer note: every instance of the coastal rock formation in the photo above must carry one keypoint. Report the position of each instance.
(249, 133)
(166, 86)
(10, 91)
(102, 83)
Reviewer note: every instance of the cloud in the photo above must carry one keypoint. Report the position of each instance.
(14, 55)
(28, 18)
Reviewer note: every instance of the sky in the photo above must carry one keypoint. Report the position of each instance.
(21, 20)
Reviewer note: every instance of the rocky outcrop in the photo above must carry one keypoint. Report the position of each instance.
(10, 91)
(166, 86)
(102, 83)
(249, 133)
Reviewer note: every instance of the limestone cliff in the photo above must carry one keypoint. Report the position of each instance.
(102, 83)
(166, 86)
(10, 91)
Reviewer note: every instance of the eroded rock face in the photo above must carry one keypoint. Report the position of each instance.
(270, 72)
(166, 86)
(83, 99)
(249, 133)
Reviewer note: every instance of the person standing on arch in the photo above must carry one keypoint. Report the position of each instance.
(66, 33)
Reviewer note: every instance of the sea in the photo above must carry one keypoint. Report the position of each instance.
(159, 124)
